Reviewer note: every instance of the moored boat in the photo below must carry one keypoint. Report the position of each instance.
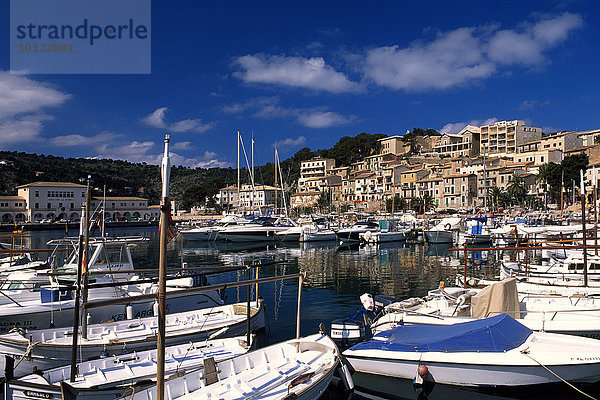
(49, 348)
(496, 352)
(295, 369)
(112, 377)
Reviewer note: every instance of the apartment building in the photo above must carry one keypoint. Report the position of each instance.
(394, 145)
(314, 168)
(128, 208)
(257, 197)
(433, 187)
(408, 183)
(538, 157)
(228, 196)
(460, 191)
(504, 137)
(560, 141)
(463, 144)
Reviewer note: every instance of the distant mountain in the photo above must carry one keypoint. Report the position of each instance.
(188, 185)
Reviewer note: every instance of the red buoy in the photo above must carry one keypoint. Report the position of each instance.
(422, 370)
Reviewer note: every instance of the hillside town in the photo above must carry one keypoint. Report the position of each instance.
(450, 171)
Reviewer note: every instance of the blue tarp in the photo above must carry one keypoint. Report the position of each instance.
(496, 334)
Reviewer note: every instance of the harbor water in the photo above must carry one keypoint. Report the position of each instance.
(337, 276)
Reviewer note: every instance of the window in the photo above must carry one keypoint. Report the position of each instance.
(37, 193)
(37, 205)
(49, 205)
(72, 206)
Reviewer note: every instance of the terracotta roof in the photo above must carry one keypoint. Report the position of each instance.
(52, 184)
(123, 198)
(12, 198)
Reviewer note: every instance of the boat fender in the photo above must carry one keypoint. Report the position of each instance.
(104, 353)
(462, 300)
(345, 375)
(155, 308)
(422, 372)
(447, 227)
(367, 301)
(129, 311)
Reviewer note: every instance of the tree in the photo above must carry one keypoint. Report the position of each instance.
(516, 189)
(494, 196)
(323, 202)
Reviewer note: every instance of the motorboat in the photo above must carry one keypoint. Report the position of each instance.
(262, 229)
(49, 348)
(113, 377)
(477, 231)
(491, 352)
(352, 234)
(389, 231)
(444, 231)
(210, 231)
(298, 369)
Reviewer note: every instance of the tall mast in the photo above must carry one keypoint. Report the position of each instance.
(484, 183)
(165, 216)
(275, 180)
(238, 172)
(252, 172)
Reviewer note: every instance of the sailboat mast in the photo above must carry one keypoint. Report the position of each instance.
(239, 201)
(252, 172)
(276, 181)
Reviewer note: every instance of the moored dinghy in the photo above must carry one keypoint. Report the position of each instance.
(299, 369)
(496, 351)
(111, 377)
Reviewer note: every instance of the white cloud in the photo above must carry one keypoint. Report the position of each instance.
(289, 143)
(181, 146)
(531, 104)
(156, 119)
(467, 54)
(80, 140)
(21, 95)
(311, 73)
(22, 101)
(322, 119)
(269, 108)
(22, 129)
(452, 59)
(250, 104)
(456, 127)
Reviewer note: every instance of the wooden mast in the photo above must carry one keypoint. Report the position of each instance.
(165, 211)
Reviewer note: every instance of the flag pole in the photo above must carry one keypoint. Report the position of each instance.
(77, 302)
(165, 211)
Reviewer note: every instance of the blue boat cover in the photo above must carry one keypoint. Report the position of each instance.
(495, 334)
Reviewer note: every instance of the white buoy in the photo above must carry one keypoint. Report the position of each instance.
(129, 311)
(155, 309)
(346, 377)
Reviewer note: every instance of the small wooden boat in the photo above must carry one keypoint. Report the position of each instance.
(49, 348)
(496, 352)
(112, 377)
(299, 369)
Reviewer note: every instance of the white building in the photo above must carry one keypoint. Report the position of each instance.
(314, 168)
(228, 196)
(504, 137)
(52, 200)
(64, 201)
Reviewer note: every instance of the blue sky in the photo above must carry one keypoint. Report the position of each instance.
(303, 74)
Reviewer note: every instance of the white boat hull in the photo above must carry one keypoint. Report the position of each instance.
(456, 373)
(45, 355)
(433, 236)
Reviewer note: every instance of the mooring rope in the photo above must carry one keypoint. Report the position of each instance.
(526, 353)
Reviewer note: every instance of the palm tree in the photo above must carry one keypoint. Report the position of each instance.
(427, 201)
(516, 189)
(543, 175)
(494, 195)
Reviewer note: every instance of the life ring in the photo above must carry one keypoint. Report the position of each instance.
(447, 227)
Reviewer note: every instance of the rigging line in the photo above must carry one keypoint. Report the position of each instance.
(526, 353)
